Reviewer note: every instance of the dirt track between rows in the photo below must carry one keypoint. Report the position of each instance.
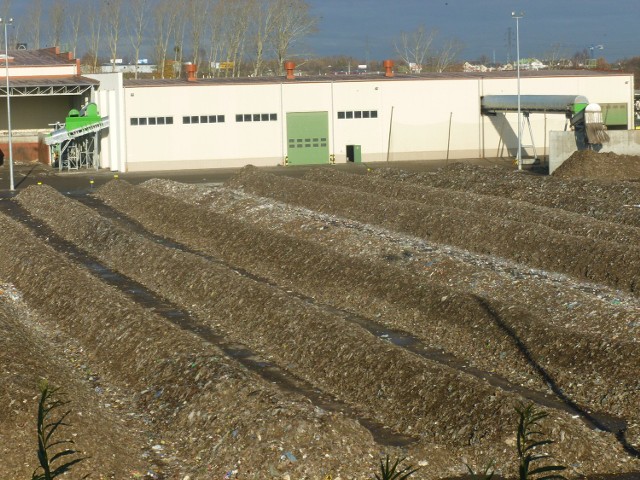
(305, 287)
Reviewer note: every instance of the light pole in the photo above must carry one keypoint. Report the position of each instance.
(518, 16)
(5, 23)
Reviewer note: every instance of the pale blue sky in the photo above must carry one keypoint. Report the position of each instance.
(348, 26)
(367, 28)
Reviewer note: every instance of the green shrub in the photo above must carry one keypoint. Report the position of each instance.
(389, 471)
(51, 451)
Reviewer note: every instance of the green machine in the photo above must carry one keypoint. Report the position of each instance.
(75, 144)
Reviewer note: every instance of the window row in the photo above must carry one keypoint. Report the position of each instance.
(307, 142)
(359, 114)
(135, 121)
(256, 117)
(193, 119)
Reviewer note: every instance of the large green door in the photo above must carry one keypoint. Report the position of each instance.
(308, 138)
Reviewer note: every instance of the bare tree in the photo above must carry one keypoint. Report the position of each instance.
(414, 47)
(292, 21)
(197, 13)
(446, 56)
(76, 19)
(34, 24)
(136, 26)
(165, 19)
(216, 46)
(234, 32)
(57, 19)
(180, 25)
(112, 14)
(262, 29)
(93, 20)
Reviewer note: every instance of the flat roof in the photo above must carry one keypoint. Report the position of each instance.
(48, 81)
(368, 77)
(37, 58)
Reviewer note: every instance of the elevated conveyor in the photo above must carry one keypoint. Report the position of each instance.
(583, 116)
(75, 145)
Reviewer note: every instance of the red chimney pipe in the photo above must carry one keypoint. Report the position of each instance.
(388, 68)
(289, 67)
(190, 70)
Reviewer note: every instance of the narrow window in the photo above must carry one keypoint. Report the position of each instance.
(273, 117)
(220, 118)
(134, 121)
(152, 120)
(186, 119)
(341, 115)
(204, 118)
(349, 114)
(357, 114)
(256, 117)
(143, 121)
(374, 114)
(247, 117)
(212, 119)
(160, 120)
(365, 114)
(239, 118)
(169, 120)
(195, 119)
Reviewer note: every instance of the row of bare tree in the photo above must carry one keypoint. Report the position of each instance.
(205, 32)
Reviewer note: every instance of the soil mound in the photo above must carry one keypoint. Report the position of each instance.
(600, 166)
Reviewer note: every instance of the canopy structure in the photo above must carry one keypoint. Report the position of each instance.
(568, 104)
(584, 116)
(46, 87)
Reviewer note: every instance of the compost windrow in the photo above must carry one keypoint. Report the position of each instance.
(242, 246)
(192, 393)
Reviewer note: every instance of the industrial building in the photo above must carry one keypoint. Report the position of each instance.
(156, 124)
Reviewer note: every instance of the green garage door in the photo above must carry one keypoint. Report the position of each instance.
(308, 138)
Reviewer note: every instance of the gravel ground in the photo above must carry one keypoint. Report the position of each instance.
(294, 270)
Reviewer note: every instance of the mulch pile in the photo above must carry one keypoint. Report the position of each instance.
(588, 164)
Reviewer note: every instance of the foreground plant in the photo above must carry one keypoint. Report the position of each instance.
(487, 474)
(52, 451)
(530, 442)
(389, 471)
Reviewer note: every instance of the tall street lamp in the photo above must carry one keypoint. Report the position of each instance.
(518, 16)
(5, 22)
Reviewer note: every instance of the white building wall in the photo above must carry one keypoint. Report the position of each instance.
(430, 115)
(110, 101)
(416, 119)
(42, 71)
(200, 145)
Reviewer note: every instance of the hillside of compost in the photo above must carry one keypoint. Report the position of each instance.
(592, 165)
(278, 327)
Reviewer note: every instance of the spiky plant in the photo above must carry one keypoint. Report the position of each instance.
(530, 440)
(389, 471)
(51, 451)
(487, 474)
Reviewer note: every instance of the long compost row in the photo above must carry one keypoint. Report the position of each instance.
(536, 245)
(606, 201)
(394, 296)
(29, 354)
(440, 406)
(206, 412)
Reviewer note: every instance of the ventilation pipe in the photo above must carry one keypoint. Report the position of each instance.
(190, 71)
(388, 68)
(289, 67)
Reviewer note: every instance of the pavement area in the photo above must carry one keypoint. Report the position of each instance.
(77, 181)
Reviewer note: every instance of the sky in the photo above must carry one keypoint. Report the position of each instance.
(368, 29)
(362, 28)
